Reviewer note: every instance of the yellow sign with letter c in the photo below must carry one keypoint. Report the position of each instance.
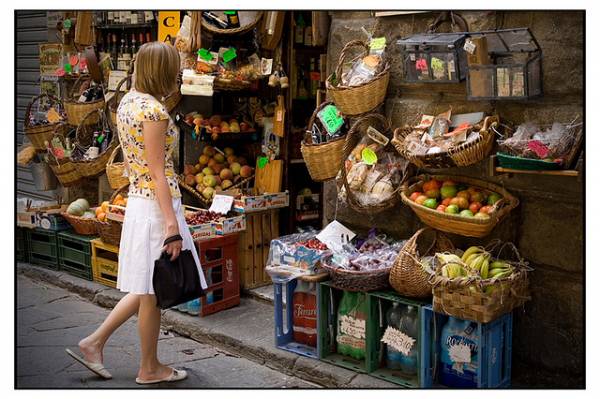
(168, 25)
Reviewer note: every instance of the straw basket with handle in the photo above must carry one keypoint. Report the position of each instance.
(322, 160)
(113, 103)
(83, 139)
(357, 280)
(248, 20)
(39, 134)
(115, 171)
(452, 223)
(64, 169)
(483, 300)
(355, 100)
(87, 226)
(352, 138)
(110, 230)
(77, 112)
(408, 276)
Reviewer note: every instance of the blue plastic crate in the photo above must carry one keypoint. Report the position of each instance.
(495, 350)
(284, 334)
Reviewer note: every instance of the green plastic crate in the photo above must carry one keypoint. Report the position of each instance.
(75, 254)
(21, 254)
(43, 249)
(520, 163)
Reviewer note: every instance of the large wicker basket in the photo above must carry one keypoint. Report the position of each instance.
(357, 281)
(407, 275)
(451, 223)
(323, 160)
(77, 113)
(461, 155)
(352, 138)
(64, 169)
(81, 225)
(469, 298)
(39, 134)
(110, 231)
(356, 100)
(83, 136)
(253, 18)
(115, 171)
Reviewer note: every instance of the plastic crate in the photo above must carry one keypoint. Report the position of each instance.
(75, 254)
(21, 252)
(42, 248)
(105, 263)
(218, 257)
(284, 320)
(379, 303)
(495, 350)
(253, 247)
(328, 302)
(514, 162)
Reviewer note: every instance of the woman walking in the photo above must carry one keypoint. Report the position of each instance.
(154, 213)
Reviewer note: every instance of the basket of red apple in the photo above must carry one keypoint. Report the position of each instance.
(457, 204)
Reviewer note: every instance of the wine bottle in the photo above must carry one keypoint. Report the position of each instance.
(233, 19)
(214, 20)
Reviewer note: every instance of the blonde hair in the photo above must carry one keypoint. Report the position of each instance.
(156, 69)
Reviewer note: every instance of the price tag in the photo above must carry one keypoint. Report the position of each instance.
(221, 204)
(368, 156)
(470, 46)
(398, 340)
(460, 353)
(67, 23)
(262, 162)
(378, 43)
(73, 60)
(229, 55)
(205, 54)
(331, 119)
(335, 234)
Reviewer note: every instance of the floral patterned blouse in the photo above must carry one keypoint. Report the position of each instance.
(134, 109)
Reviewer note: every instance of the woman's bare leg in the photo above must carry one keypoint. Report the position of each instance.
(149, 328)
(92, 346)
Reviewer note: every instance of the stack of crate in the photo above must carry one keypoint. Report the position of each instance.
(21, 254)
(75, 254)
(42, 247)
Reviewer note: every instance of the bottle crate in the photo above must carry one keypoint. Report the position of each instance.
(218, 257)
(284, 317)
(254, 244)
(42, 248)
(75, 254)
(494, 360)
(105, 263)
(379, 303)
(21, 252)
(328, 303)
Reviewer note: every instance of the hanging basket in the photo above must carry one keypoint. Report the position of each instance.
(355, 100)
(113, 103)
(248, 20)
(464, 154)
(482, 300)
(324, 160)
(77, 113)
(83, 139)
(110, 231)
(115, 171)
(39, 134)
(407, 276)
(352, 139)
(64, 169)
(452, 223)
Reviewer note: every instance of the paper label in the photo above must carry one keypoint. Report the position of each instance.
(204, 54)
(460, 353)
(353, 327)
(378, 43)
(279, 115)
(331, 118)
(229, 55)
(335, 234)
(398, 340)
(368, 156)
(221, 204)
(262, 162)
(470, 46)
(376, 136)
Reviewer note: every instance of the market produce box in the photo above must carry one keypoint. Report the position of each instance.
(469, 354)
(42, 248)
(105, 263)
(75, 254)
(204, 224)
(254, 203)
(254, 245)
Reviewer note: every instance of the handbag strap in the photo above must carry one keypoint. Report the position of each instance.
(173, 238)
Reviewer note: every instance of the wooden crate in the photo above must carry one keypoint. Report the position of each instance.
(105, 263)
(253, 247)
(75, 254)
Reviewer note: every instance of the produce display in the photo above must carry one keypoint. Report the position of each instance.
(375, 253)
(218, 124)
(216, 171)
(202, 217)
(456, 199)
(80, 207)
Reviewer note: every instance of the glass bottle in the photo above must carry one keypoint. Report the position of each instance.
(393, 319)
(409, 325)
(299, 30)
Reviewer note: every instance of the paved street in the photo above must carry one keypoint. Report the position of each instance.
(50, 319)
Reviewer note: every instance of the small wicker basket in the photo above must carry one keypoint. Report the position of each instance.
(110, 231)
(81, 225)
(113, 103)
(115, 171)
(64, 169)
(96, 166)
(39, 134)
(357, 281)
(323, 160)
(78, 113)
(253, 16)
(356, 100)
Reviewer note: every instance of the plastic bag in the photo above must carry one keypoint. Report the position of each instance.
(183, 40)
(366, 68)
(373, 254)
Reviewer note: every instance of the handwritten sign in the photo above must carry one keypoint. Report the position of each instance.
(335, 234)
(353, 327)
(368, 156)
(221, 204)
(460, 353)
(398, 340)
(331, 118)
(378, 43)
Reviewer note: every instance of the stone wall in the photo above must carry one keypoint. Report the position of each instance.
(548, 225)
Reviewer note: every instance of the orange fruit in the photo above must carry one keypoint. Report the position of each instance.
(420, 199)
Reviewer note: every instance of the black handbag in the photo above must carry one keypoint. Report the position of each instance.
(176, 282)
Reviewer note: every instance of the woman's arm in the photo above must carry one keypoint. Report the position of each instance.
(154, 141)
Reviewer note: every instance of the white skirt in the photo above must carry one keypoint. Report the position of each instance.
(142, 240)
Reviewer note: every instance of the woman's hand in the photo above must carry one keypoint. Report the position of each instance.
(173, 248)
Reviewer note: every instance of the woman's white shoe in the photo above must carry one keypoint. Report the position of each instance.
(97, 368)
(176, 375)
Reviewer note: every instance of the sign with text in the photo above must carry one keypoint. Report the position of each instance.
(168, 25)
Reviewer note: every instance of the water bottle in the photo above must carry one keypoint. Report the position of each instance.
(458, 372)
(193, 307)
(409, 325)
(393, 319)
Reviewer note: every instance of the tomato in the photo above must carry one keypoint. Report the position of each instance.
(474, 207)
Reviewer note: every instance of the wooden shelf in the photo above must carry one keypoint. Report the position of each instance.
(297, 161)
(572, 173)
(127, 26)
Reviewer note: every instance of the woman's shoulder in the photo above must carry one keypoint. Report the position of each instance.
(143, 105)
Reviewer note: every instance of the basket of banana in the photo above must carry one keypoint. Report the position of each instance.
(481, 284)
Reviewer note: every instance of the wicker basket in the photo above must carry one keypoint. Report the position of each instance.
(77, 113)
(204, 203)
(450, 223)
(255, 15)
(171, 101)
(110, 231)
(357, 281)
(356, 100)
(115, 171)
(231, 84)
(461, 155)
(352, 138)
(113, 103)
(64, 169)
(407, 275)
(323, 160)
(468, 298)
(39, 134)
(83, 226)
(96, 166)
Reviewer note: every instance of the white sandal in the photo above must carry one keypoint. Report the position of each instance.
(176, 375)
(96, 368)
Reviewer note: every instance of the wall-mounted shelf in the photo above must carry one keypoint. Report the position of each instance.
(495, 170)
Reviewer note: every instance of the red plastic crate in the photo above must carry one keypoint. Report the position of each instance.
(218, 257)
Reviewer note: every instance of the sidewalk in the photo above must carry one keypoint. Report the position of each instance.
(246, 330)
